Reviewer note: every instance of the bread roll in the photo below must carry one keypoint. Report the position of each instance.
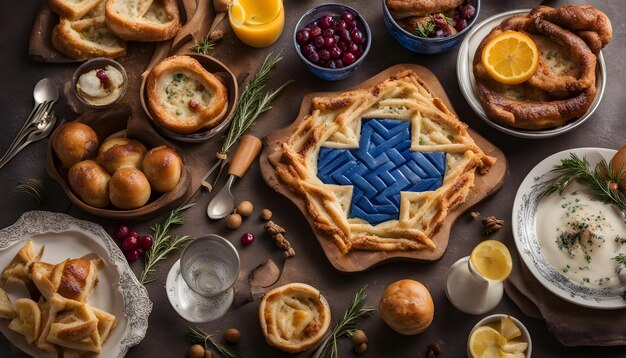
(407, 307)
(74, 142)
(129, 188)
(121, 152)
(162, 166)
(90, 181)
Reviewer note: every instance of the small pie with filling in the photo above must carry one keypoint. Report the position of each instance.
(380, 168)
(294, 317)
(563, 88)
(143, 20)
(183, 97)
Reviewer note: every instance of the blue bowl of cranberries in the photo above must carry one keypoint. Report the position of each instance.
(431, 33)
(332, 40)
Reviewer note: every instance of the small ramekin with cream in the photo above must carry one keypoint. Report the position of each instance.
(99, 83)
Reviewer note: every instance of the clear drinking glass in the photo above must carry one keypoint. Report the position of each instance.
(209, 265)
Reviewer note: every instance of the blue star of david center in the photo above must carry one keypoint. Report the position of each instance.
(381, 168)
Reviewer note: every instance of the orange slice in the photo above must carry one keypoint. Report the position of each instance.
(510, 58)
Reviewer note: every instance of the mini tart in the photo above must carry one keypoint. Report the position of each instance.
(176, 81)
(157, 20)
(87, 37)
(294, 317)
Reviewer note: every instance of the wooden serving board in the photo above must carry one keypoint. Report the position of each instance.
(355, 261)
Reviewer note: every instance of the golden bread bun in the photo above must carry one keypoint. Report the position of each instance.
(129, 188)
(143, 20)
(183, 97)
(121, 152)
(74, 142)
(619, 162)
(162, 166)
(90, 181)
(407, 307)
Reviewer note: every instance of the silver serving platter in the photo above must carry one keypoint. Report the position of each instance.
(465, 77)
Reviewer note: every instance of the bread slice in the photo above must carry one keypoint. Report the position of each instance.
(6, 308)
(143, 20)
(73, 9)
(87, 37)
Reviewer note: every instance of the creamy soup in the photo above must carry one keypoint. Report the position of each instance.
(579, 236)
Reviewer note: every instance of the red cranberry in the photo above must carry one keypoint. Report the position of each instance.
(315, 32)
(318, 42)
(141, 252)
(324, 54)
(338, 63)
(344, 34)
(343, 45)
(357, 36)
(348, 58)
(335, 53)
(302, 36)
(342, 25)
(352, 48)
(145, 242)
(440, 22)
(247, 238)
(321, 63)
(330, 42)
(446, 31)
(307, 50)
(326, 22)
(313, 56)
(467, 12)
(129, 243)
(132, 255)
(347, 16)
(194, 105)
(331, 64)
(328, 33)
(461, 25)
(104, 78)
(121, 232)
(352, 25)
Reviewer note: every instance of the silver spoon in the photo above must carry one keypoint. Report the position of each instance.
(45, 91)
(223, 204)
(45, 127)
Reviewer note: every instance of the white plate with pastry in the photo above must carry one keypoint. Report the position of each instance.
(95, 288)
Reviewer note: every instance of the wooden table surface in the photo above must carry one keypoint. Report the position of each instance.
(166, 336)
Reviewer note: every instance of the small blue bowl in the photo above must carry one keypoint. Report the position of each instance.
(426, 45)
(332, 74)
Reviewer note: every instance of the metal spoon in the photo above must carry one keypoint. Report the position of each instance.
(45, 92)
(223, 204)
(44, 128)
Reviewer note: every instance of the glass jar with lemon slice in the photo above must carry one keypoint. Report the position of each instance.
(258, 23)
(474, 283)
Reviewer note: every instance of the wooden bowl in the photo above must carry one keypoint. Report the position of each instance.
(361, 260)
(230, 81)
(108, 123)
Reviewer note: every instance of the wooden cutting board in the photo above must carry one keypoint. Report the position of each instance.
(355, 261)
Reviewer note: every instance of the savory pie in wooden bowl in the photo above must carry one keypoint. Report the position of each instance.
(382, 171)
(110, 127)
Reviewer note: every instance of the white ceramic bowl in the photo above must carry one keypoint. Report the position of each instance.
(496, 318)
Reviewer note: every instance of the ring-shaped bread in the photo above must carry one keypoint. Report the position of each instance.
(294, 317)
(563, 87)
(156, 20)
(183, 97)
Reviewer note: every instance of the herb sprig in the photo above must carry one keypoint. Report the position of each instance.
(253, 102)
(601, 180)
(347, 324)
(164, 243)
(621, 262)
(34, 188)
(425, 29)
(198, 336)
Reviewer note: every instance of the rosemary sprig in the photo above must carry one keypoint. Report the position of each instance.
(203, 46)
(601, 180)
(424, 30)
(253, 102)
(621, 262)
(34, 188)
(347, 324)
(198, 336)
(164, 243)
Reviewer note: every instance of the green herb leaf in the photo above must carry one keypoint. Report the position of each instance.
(198, 336)
(621, 262)
(347, 324)
(204, 46)
(426, 29)
(164, 243)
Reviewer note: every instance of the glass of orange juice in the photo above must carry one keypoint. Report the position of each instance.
(258, 23)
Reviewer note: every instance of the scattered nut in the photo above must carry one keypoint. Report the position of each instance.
(196, 351)
(232, 336)
(208, 353)
(434, 349)
(474, 214)
(491, 224)
(266, 214)
(233, 221)
(359, 337)
(245, 208)
(360, 349)
(216, 35)
(277, 231)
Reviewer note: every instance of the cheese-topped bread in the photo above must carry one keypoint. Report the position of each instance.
(294, 317)
(87, 37)
(184, 97)
(73, 9)
(380, 168)
(143, 20)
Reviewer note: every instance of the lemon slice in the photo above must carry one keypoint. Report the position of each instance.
(510, 58)
(492, 259)
(485, 342)
(508, 328)
(512, 355)
(514, 347)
